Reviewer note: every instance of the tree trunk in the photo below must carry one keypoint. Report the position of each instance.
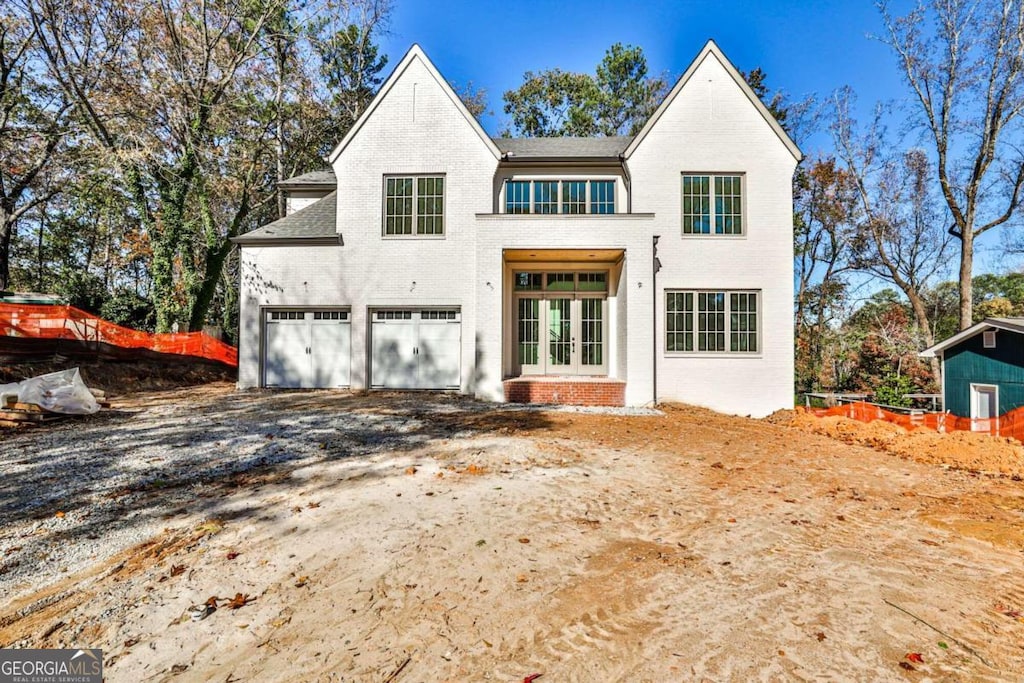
(966, 282)
(6, 232)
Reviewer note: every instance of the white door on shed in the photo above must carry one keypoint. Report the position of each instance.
(307, 349)
(416, 349)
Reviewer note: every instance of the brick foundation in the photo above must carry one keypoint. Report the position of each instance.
(570, 391)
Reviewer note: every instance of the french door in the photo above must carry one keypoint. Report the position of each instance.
(561, 334)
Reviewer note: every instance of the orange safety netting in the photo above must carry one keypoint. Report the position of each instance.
(67, 322)
(1010, 424)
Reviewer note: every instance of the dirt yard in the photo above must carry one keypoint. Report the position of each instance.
(404, 538)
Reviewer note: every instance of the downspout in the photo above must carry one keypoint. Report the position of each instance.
(655, 267)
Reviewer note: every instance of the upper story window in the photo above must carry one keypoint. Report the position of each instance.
(414, 205)
(721, 193)
(559, 196)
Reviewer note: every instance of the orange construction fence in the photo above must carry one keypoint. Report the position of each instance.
(67, 322)
(1010, 424)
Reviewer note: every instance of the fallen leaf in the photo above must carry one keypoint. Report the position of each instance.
(232, 555)
(278, 623)
(297, 509)
(718, 466)
(243, 626)
(239, 601)
(521, 578)
(841, 518)
(915, 657)
(313, 506)
(59, 514)
(908, 667)
(943, 645)
(179, 668)
(301, 581)
(212, 601)
(531, 678)
(481, 542)
(732, 520)
(488, 644)
(177, 570)
(927, 542)
(410, 470)
(162, 579)
(439, 475)
(131, 641)
(524, 539)
(820, 636)
(782, 653)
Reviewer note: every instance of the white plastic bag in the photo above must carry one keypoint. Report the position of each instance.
(58, 392)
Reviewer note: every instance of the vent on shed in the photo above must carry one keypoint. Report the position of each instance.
(989, 339)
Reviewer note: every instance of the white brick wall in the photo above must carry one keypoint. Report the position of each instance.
(712, 127)
(417, 129)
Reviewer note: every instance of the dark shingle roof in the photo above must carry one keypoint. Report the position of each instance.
(562, 148)
(315, 222)
(314, 180)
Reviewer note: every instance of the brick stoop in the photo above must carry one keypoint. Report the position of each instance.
(569, 391)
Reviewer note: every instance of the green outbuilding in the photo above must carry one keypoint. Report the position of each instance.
(983, 368)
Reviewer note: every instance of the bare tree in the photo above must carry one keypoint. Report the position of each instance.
(964, 62)
(33, 131)
(900, 236)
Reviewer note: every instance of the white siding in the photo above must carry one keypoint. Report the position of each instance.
(296, 200)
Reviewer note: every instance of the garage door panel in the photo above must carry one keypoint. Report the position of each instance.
(440, 355)
(330, 343)
(393, 361)
(416, 349)
(286, 362)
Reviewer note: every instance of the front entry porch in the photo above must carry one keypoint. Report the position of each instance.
(569, 391)
(560, 338)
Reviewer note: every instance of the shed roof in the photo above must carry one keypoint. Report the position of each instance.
(322, 179)
(1008, 324)
(316, 223)
(562, 148)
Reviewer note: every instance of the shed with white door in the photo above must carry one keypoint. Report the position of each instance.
(983, 369)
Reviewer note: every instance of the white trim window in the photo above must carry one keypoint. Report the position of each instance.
(414, 206)
(722, 194)
(576, 196)
(702, 321)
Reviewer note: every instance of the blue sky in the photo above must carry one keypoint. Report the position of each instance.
(805, 47)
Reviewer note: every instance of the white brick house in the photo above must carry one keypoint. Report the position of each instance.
(436, 257)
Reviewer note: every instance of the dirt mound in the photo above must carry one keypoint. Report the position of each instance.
(960, 450)
(124, 377)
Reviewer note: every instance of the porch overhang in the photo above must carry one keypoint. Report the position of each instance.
(559, 255)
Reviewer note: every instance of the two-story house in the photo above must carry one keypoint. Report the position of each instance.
(610, 271)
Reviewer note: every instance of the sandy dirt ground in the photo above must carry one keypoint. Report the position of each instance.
(448, 541)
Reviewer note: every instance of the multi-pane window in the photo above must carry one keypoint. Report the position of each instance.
(559, 196)
(602, 196)
(702, 321)
(414, 205)
(330, 315)
(287, 315)
(517, 196)
(586, 281)
(574, 196)
(545, 196)
(712, 205)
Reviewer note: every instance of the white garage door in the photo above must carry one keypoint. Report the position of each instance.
(306, 349)
(416, 349)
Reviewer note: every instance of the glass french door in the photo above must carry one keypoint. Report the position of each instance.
(561, 335)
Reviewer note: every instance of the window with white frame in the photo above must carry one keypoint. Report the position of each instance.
(712, 204)
(700, 321)
(560, 196)
(414, 205)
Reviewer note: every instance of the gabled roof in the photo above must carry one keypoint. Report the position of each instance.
(547, 149)
(710, 49)
(314, 180)
(1008, 324)
(314, 224)
(414, 53)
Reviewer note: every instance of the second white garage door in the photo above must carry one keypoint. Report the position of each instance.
(416, 349)
(307, 349)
